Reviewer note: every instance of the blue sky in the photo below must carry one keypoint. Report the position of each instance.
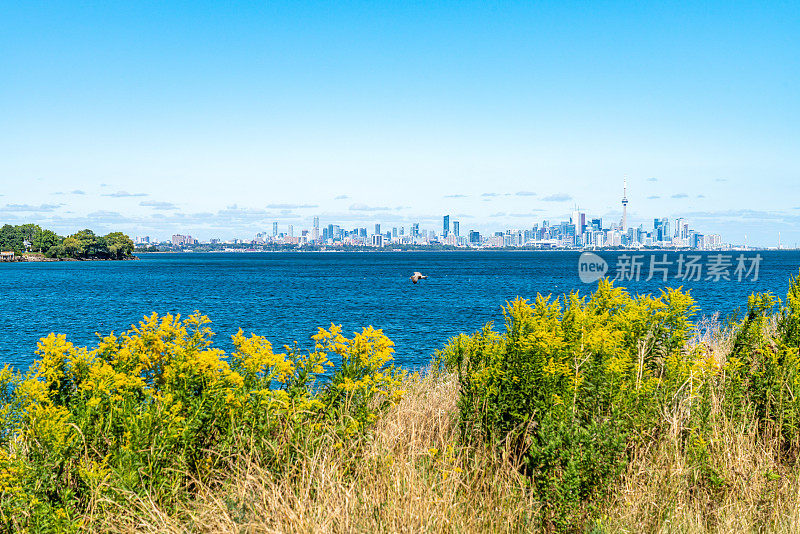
(217, 118)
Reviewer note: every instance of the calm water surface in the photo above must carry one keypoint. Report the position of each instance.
(286, 296)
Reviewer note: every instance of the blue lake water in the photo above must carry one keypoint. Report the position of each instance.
(286, 296)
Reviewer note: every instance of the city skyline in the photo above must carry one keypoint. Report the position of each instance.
(581, 230)
(165, 117)
(244, 222)
(578, 232)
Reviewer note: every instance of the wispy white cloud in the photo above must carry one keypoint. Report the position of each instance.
(156, 205)
(743, 214)
(28, 208)
(108, 216)
(124, 194)
(364, 207)
(291, 206)
(74, 192)
(558, 197)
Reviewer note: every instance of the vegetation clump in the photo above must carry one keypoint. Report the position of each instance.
(81, 245)
(576, 388)
(152, 412)
(605, 413)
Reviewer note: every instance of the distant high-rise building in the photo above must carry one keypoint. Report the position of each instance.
(291, 231)
(579, 221)
(179, 240)
(275, 229)
(315, 231)
(377, 229)
(456, 228)
(474, 237)
(681, 228)
(394, 232)
(415, 230)
(446, 225)
(661, 230)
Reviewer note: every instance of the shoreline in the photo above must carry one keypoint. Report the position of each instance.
(468, 250)
(27, 258)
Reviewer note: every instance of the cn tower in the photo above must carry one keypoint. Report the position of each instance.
(624, 223)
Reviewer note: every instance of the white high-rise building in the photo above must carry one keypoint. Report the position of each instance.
(579, 221)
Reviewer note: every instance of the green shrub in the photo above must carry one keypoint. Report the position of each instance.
(569, 385)
(573, 385)
(156, 409)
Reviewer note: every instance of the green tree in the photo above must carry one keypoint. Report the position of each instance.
(44, 240)
(119, 245)
(30, 232)
(56, 251)
(11, 239)
(73, 247)
(88, 243)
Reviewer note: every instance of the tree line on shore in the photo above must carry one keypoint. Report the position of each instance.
(80, 245)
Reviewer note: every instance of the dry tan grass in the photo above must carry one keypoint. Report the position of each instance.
(410, 476)
(663, 490)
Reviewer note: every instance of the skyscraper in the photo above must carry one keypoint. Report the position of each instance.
(315, 233)
(377, 229)
(579, 220)
(624, 223)
(446, 225)
(455, 228)
(275, 229)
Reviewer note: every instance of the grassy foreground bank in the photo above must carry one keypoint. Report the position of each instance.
(610, 413)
